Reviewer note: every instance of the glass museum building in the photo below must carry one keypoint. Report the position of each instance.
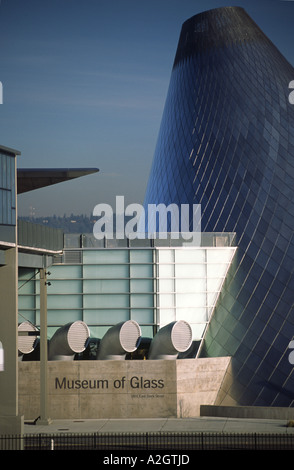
(226, 142)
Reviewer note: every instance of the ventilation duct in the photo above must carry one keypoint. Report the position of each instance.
(67, 341)
(169, 341)
(26, 342)
(118, 340)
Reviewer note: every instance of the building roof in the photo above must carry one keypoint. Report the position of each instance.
(29, 179)
(9, 150)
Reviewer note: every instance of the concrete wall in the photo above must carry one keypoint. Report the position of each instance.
(247, 412)
(122, 389)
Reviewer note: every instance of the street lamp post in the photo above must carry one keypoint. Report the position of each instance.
(44, 415)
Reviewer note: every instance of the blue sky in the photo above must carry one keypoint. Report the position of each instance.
(84, 85)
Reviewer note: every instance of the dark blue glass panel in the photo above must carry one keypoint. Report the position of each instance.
(226, 142)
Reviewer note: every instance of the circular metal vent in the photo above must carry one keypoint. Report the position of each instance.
(130, 334)
(181, 336)
(26, 343)
(77, 336)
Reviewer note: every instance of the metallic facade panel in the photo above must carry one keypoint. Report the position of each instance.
(226, 141)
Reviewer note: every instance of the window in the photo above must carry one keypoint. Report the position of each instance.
(7, 190)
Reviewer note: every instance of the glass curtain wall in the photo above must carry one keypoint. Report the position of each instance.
(189, 282)
(154, 287)
(118, 285)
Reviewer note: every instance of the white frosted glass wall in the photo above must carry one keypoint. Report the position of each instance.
(188, 284)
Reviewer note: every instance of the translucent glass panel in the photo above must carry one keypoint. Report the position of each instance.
(61, 317)
(26, 295)
(64, 301)
(143, 315)
(193, 314)
(25, 285)
(106, 316)
(118, 286)
(141, 271)
(141, 256)
(62, 286)
(27, 315)
(141, 285)
(64, 295)
(165, 256)
(105, 286)
(105, 271)
(62, 271)
(186, 270)
(141, 300)
(166, 315)
(110, 286)
(188, 284)
(191, 256)
(27, 302)
(107, 301)
(103, 257)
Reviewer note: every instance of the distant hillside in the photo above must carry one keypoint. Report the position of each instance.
(71, 224)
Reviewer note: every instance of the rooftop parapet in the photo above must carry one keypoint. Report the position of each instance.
(36, 236)
(206, 239)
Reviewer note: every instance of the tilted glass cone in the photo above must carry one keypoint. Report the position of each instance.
(226, 142)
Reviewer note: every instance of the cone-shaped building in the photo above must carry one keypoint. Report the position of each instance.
(226, 142)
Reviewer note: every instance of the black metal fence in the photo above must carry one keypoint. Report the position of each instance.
(149, 441)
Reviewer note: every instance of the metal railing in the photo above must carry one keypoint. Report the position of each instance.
(205, 239)
(155, 441)
(39, 236)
